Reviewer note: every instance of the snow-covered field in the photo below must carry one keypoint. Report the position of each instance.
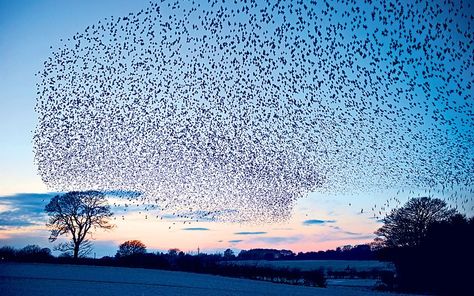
(335, 265)
(52, 280)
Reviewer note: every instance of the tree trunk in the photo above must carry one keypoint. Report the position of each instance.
(76, 250)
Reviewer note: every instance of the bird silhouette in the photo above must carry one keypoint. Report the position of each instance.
(233, 110)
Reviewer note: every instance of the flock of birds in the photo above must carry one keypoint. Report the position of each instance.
(233, 110)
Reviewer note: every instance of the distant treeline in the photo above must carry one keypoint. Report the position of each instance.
(359, 252)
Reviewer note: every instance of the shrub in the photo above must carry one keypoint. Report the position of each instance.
(7, 253)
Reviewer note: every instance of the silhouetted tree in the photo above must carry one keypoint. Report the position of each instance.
(408, 225)
(7, 253)
(428, 243)
(229, 254)
(131, 247)
(34, 253)
(77, 213)
(35, 249)
(174, 252)
(264, 254)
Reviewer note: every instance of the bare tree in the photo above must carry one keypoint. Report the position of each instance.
(131, 247)
(67, 248)
(408, 225)
(174, 252)
(77, 213)
(229, 254)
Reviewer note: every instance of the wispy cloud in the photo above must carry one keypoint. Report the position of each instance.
(362, 236)
(234, 241)
(196, 229)
(352, 233)
(122, 193)
(27, 209)
(343, 236)
(23, 209)
(317, 222)
(345, 231)
(277, 239)
(15, 219)
(249, 232)
(168, 216)
(210, 216)
(27, 199)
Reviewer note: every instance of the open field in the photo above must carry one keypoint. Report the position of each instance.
(326, 265)
(335, 265)
(71, 280)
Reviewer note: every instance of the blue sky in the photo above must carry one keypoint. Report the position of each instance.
(27, 31)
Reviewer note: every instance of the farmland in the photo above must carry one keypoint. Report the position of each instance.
(52, 280)
(329, 266)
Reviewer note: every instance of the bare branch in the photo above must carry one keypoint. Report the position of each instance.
(76, 213)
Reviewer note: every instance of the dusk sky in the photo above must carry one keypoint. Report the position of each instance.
(319, 220)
